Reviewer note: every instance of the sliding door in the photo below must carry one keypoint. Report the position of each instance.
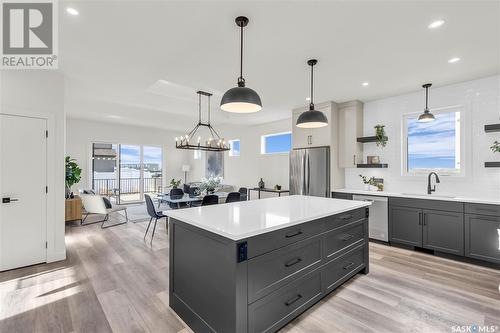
(131, 174)
(152, 158)
(104, 169)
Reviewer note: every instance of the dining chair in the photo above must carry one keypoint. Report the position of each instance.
(244, 193)
(153, 214)
(233, 197)
(176, 193)
(210, 199)
(186, 188)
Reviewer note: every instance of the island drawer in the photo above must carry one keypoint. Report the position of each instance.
(344, 237)
(275, 310)
(270, 241)
(343, 267)
(273, 270)
(339, 220)
(482, 209)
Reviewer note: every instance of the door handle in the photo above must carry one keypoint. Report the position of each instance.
(419, 218)
(353, 159)
(425, 218)
(8, 200)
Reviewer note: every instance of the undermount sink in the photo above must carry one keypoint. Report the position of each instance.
(430, 195)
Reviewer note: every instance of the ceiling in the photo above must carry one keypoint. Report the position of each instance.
(141, 62)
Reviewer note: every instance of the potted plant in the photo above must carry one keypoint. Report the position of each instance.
(496, 147)
(175, 183)
(380, 135)
(369, 183)
(210, 184)
(73, 175)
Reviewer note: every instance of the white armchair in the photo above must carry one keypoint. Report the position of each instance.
(94, 204)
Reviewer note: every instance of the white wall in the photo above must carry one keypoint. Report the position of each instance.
(247, 169)
(480, 102)
(82, 133)
(40, 93)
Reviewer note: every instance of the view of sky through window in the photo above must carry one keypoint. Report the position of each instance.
(279, 143)
(433, 145)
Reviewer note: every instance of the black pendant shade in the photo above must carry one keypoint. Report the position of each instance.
(241, 99)
(312, 118)
(427, 116)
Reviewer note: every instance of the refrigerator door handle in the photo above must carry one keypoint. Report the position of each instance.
(303, 189)
(308, 174)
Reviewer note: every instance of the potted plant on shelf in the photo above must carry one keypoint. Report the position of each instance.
(495, 147)
(380, 135)
(73, 175)
(175, 183)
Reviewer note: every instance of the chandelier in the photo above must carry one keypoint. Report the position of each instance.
(193, 140)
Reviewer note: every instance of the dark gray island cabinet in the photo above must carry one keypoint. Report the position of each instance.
(254, 266)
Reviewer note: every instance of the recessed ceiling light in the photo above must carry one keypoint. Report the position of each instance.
(436, 24)
(454, 60)
(72, 11)
(365, 84)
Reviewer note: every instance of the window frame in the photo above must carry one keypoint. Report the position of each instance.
(263, 143)
(461, 150)
(231, 152)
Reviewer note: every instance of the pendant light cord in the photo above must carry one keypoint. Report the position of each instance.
(426, 99)
(311, 104)
(199, 108)
(241, 80)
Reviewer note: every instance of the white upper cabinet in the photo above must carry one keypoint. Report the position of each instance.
(306, 138)
(350, 128)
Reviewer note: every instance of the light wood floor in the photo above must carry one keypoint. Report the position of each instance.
(114, 281)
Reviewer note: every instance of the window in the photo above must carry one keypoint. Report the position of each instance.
(435, 145)
(235, 147)
(276, 143)
(197, 154)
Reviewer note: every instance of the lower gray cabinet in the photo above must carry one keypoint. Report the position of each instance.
(431, 229)
(443, 231)
(482, 237)
(405, 225)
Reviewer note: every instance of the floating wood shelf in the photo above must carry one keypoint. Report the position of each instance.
(492, 164)
(367, 139)
(377, 165)
(492, 128)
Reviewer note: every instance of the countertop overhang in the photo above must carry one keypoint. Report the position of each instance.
(240, 220)
(422, 196)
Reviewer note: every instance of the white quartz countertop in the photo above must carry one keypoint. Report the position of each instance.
(434, 196)
(239, 220)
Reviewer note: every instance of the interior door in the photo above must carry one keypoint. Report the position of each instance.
(23, 180)
(318, 172)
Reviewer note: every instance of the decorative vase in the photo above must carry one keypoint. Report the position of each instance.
(277, 187)
(71, 195)
(68, 192)
(261, 183)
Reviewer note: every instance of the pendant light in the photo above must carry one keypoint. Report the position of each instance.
(312, 118)
(241, 99)
(427, 116)
(192, 140)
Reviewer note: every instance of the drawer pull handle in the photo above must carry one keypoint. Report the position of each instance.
(293, 300)
(294, 234)
(348, 265)
(346, 217)
(347, 237)
(293, 262)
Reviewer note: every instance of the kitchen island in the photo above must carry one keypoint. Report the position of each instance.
(253, 266)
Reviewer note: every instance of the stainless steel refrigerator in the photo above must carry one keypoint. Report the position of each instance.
(310, 171)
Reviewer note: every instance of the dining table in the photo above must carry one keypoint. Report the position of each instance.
(186, 198)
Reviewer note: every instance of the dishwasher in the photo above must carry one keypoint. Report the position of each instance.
(378, 222)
